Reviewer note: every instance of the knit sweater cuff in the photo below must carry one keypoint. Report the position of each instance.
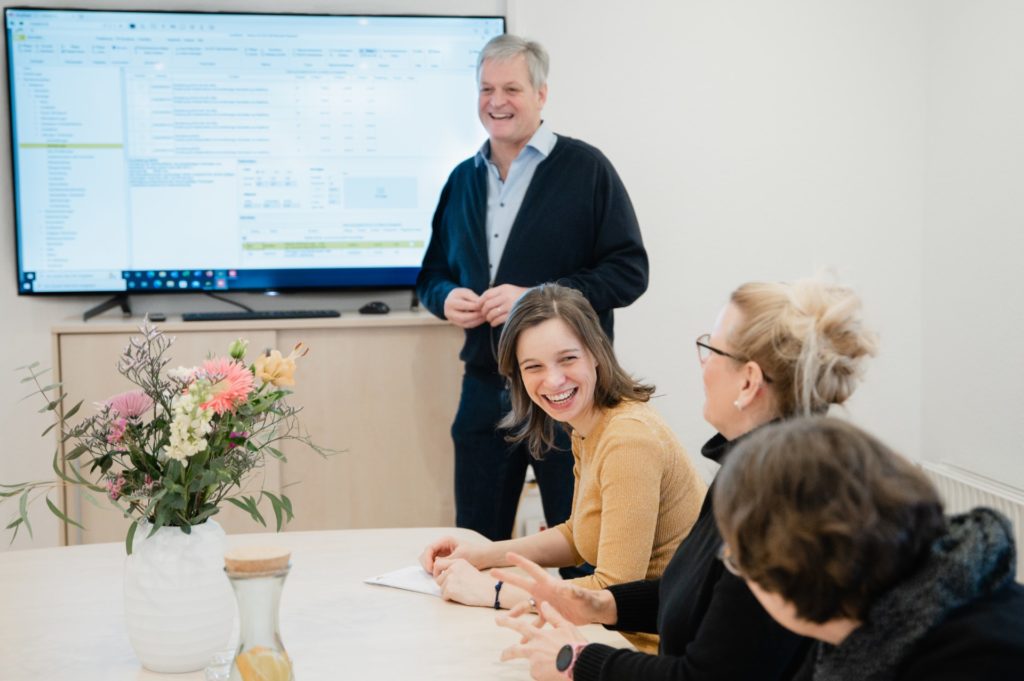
(636, 604)
(590, 661)
(566, 533)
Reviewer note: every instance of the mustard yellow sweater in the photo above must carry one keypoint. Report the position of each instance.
(636, 497)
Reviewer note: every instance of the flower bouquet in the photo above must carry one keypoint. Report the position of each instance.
(169, 452)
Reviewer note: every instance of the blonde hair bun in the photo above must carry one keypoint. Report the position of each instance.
(809, 336)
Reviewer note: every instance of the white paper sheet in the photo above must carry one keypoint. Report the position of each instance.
(412, 578)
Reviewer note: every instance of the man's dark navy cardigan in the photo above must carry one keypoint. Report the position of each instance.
(576, 226)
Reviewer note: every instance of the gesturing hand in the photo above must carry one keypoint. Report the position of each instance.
(576, 604)
(537, 644)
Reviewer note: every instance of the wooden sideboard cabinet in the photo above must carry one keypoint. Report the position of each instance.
(382, 389)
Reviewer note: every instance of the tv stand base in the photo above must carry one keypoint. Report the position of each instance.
(120, 299)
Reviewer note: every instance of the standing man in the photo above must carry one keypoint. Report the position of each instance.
(528, 208)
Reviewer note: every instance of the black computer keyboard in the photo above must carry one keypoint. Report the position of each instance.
(234, 315)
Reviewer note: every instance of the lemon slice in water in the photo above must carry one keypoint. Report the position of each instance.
(263, 664)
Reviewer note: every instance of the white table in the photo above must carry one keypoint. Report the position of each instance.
(61, 614)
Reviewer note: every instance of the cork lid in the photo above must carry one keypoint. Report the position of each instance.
(253, 560)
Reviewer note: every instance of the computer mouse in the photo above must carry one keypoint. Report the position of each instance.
(375, 307)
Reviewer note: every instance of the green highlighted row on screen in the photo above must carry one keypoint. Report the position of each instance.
(67, 145)
(327, 245)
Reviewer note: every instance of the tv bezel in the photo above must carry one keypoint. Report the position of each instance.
(329, 288)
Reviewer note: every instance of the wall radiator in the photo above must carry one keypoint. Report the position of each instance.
(962, 490)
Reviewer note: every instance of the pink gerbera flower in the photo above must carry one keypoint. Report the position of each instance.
(131, 404)
(230, 382)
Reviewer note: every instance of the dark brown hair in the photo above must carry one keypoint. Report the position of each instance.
(825, 515)
(529, 422)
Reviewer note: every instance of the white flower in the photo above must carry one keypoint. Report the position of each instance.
(189, 427)
(182, 374)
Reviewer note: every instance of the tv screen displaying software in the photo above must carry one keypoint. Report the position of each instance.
(157, 151)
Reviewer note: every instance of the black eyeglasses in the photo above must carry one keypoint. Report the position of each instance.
(704, 350)
(725, 555)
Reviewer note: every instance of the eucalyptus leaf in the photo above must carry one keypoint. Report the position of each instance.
(248, 504)
(74, 410)
(60, 514)
(130, 537)
(204, 515)
(92, 500)
(160, 520)
(23, 512)
(275, 503)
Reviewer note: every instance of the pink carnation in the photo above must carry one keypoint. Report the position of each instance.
(230, 381)
(131, 404)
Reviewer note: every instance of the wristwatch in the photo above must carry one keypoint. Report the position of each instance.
(566, 658)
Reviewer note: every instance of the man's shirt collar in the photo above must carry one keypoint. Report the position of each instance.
(543, 141)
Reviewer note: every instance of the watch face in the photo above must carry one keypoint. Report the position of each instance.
(564, 659)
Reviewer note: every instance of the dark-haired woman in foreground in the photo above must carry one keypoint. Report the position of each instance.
(844, 541)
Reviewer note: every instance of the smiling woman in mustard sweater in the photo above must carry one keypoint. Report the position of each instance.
(636, 493)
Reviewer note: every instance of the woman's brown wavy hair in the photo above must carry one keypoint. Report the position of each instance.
(528, 422)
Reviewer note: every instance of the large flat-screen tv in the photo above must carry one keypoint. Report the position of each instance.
(160, 151)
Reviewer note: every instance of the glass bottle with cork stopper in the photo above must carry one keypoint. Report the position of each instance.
(257, 574)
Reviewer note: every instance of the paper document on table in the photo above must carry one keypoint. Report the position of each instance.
(412, 578)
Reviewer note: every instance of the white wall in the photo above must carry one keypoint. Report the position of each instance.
(758, 141)
(762, 141)
(973, 350)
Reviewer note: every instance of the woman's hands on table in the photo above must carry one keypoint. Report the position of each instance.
(446, 550)
(463, 583)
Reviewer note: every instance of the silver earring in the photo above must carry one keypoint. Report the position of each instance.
(736, 403)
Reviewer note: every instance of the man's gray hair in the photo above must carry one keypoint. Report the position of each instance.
(508, 46)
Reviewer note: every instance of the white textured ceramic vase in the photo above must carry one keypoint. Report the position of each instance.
(178, 604)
